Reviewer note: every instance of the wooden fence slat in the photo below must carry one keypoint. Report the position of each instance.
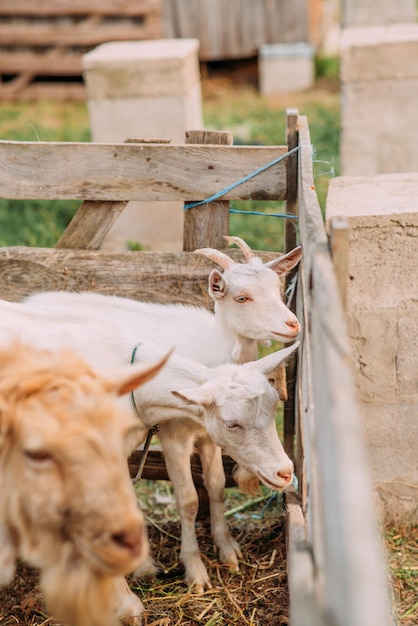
(340, 242)
(154, 276)
(79, 7)
(292, 139)
(300, 564)
(205, 226)
(16, 61)
(15, 34)
(311, 224)
(90, 225)
(155, 468)
(139, 171)
(62, 91)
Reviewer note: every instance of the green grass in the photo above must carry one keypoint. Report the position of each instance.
(253, 119)
(38, 222)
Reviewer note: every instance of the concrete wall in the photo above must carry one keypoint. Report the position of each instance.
(379, 74)
(378, 12)
(145, 90)
(382, 314)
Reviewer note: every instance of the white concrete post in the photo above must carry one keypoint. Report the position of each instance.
(379, 74)
(378, 12)
(145, 90)
(382, 315)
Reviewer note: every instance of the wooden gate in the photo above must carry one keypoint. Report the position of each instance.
(336, 576)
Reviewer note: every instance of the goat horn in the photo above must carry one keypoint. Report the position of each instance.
(220, 258)
(244, 247)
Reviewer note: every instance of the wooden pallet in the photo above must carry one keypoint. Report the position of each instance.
(42, 42)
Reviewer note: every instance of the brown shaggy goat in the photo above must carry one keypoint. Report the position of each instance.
(67, 505)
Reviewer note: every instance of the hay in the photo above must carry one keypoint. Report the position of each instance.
(255, 596)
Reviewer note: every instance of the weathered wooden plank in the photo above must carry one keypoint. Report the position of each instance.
(94, 171)
(290, 243)
(340, 244)
(236, 28)
(22, 89)
(304, 605)
(155, 468)
(303, 395)
(311, 223)
(79, 7)
(205, 226)
(45, 64)
(77, 34)
(93, 220)
(356, 594)
(154, 276)
(90, 225)
(286, 20)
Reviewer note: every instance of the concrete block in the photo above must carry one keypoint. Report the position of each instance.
(378, 12)
(379, 73)
(375, 53)
(145, 90)
(284, 68)
(382, 322)
(383, 219)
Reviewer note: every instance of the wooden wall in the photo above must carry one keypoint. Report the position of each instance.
(234, 29)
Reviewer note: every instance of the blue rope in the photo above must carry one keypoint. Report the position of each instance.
(221, 193)
(288, 215)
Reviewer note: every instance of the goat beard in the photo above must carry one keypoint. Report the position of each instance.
(75, 594)
(247, 482)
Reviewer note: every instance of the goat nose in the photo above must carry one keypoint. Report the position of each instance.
(294, 325)
(286, 476)
(129, 539)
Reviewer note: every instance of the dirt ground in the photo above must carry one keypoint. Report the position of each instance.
(256, 596)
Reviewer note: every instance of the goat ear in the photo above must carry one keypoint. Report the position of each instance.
(199, 396)
(217, 285)
(285, 263)
(138, 375)
(269, 363)
(8, 555)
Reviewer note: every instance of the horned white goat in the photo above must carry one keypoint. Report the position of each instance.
(66, 502)
(232, 404)
(248, 308)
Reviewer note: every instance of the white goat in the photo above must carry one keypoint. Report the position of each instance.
(248, 308)
(233, 404)
(66, 501)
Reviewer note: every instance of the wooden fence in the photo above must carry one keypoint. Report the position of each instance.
(42, 41)
(336, 576)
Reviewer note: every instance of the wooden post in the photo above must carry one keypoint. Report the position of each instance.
(339, 247)
(206, 225)
(292, 138)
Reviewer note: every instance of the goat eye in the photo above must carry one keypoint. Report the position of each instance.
(38, 456)
(232, 425)
(241, 299)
